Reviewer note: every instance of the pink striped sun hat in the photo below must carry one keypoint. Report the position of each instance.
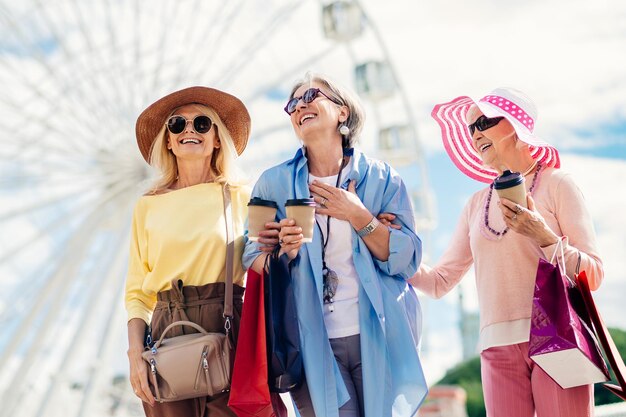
(509, 103)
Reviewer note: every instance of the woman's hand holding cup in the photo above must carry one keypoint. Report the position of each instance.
(527, 221)
(289, 238)
(268, 238)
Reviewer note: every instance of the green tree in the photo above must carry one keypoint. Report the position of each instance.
(603, 395)
(467, 375)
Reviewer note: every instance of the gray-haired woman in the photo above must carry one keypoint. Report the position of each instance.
(357, 314)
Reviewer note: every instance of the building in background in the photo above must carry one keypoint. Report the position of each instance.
(444, 401)
(469, 327)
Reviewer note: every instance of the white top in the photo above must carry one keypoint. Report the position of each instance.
(504, 333)
(342, 315)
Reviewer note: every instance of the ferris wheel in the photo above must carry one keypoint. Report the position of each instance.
(74, 76)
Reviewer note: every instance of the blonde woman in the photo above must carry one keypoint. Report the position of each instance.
(178, 240)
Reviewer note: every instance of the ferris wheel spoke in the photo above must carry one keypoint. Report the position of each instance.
(115, 262)
(87, 98)
(280, 79)
(89, 66)
(63, 220)
(76, 248)
(250, 50)
(44, 118)
(123, 99)
(93, 209)
(53, 74)
(136, 56)
(29, 117)
(97, 73)
(160, 63)
(398, 82)
(54, 161)
(36, 297)
(27, 152)
(270, 130)
(39, 95)
(110, 182)
(110, 334)
(214, 46)
(47, 203)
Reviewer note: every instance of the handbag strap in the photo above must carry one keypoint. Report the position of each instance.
(179, 323)
(230, 257)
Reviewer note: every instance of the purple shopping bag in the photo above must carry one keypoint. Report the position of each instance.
(561, 340)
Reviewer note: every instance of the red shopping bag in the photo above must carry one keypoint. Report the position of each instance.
(611, 352)
(249, 391)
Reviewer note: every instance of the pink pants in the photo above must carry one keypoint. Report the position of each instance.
(515, 387)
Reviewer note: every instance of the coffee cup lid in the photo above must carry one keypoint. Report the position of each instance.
(300, 202)
(256, 201)
(508, 179)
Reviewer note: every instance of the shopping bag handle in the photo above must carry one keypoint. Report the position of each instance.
(560, 261)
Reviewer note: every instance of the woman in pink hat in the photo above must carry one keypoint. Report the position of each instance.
(505, 240)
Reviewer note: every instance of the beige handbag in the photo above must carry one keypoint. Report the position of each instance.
(198, 364)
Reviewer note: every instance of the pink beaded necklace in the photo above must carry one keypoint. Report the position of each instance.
(500, 234)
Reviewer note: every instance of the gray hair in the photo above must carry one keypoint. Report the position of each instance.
(342, 97)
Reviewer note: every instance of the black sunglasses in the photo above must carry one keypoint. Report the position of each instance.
(308, 96)
(176, 124)
(483, 123)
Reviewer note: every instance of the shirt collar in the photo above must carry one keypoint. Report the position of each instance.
(359, 164)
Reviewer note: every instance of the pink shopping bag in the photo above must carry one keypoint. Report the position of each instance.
(562, 341)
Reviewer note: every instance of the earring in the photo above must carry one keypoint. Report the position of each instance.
(344, 130)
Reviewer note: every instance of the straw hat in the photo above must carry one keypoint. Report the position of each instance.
(230, 109)
(509, 103)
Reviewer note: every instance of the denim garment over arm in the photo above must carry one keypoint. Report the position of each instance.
(389, 312)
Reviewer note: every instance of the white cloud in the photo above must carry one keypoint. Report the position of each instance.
(601, 181)
(567, 55)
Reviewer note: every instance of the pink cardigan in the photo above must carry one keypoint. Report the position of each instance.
(505, 269)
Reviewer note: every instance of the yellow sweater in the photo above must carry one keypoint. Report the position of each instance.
(181, 234)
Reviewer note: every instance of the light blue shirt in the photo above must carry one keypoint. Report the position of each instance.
(389, 311)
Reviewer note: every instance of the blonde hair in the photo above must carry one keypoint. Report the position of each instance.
(342, 97)
(223, 159)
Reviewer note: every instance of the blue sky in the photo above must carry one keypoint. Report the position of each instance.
(567, 56)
